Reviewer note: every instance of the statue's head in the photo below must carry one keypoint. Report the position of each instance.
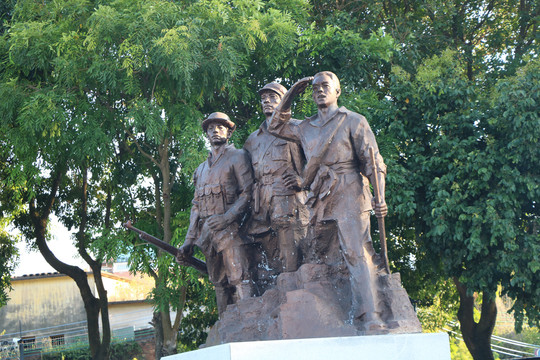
(326, 88)
(271, 95)
(218, 127)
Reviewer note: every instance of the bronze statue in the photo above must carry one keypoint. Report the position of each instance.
(320, 280)
(223, 187)
(278, 215)
(337, 145)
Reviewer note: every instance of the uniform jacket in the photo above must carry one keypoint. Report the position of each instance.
(341, 183)
(271, 158)
(222, 185)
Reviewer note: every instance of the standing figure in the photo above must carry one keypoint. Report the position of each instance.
(223, 186)
(336, 143)
(278, 213)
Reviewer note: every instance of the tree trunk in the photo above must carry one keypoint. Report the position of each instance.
(477, 335)
(99, 346)
(169, 335)
(166, 333)
(103, 306)
(92, 305)
(158, 332)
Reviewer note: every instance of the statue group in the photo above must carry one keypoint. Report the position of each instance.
(284, 223)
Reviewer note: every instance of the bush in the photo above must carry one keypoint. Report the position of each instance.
(126, 350)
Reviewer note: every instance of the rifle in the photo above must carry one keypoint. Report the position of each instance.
(174, 251)
(380, 219)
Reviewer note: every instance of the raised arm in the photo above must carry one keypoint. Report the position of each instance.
(279, 124)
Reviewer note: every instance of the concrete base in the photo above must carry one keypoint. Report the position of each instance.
(403, 347)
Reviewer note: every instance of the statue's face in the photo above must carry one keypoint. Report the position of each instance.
(324, 91)
(217, 133)
(269, 101)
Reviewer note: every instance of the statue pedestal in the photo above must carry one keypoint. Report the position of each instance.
(401, 346)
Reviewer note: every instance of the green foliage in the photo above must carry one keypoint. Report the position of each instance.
(333, 48)
(467, 157)
(6, 11)
(438, 306)
(120, 87)
(8, 260)
(458, 350)
(198, 319)
(126, 350)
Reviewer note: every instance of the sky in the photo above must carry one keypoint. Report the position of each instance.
(61, 244)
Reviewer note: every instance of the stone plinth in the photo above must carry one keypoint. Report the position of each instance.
(313, 302)
(380, 347)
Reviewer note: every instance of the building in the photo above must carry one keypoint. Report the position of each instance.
(46, 310)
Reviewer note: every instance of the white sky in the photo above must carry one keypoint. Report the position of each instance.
(61, 244)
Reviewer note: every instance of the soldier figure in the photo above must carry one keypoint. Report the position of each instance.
(223, 186)
(278, 213)
(336, 143)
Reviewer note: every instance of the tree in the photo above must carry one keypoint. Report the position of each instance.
(431, 111)
(54, 142)
(111, 95)
(462, 153)
(175, 61)
(101, 114)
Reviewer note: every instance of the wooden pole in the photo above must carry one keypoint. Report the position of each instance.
(380, 219)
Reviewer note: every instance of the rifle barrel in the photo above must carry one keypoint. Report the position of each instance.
(174, 251)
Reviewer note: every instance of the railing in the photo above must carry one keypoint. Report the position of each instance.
(127, 326)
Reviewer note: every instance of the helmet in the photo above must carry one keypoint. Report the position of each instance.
(220, 118)
(275, 87)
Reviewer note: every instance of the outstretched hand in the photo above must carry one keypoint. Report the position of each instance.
(301, 85)
(297, 88)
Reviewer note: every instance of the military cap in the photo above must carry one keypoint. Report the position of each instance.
(220, 118)
(275, 87)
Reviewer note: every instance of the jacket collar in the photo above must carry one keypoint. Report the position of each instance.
(340, 110)
(212, 161)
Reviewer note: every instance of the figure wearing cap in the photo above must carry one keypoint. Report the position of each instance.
(337, 145)
(278, 217)
(223, 186)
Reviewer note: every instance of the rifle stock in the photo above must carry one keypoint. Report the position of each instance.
(174, 251)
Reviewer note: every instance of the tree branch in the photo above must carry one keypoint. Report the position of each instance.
(81, 236)
(489, 313)
(139, 147)
(180, 314)
(155, 82)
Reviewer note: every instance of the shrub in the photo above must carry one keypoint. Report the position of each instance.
(125, 350)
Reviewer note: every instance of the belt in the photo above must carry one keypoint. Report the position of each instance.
(344, 168)
(264, 180)
(267, 179)
(325, 180)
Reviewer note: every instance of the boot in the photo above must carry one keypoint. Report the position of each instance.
(244, 290)
(288, 250)
(221, 299)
